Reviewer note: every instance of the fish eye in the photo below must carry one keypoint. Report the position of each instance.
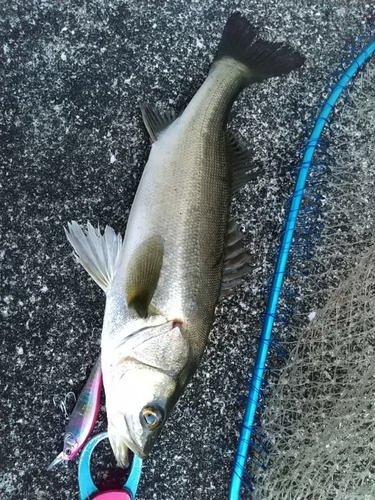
(68, 452)
(152, 416)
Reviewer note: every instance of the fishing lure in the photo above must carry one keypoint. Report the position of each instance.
(83, 417)
(255, 390)
(87, 488)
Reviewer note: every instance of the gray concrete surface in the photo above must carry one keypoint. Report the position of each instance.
(72, 76)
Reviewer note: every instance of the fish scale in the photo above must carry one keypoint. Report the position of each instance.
(197, 219)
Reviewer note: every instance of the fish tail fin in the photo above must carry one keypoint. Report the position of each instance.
(263, 59)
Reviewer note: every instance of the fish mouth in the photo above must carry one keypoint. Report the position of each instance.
(135, 449)
(131, 444)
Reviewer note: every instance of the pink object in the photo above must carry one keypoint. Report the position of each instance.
(83, 417)
(112, 495)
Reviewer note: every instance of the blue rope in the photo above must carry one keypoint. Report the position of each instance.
(278, 277)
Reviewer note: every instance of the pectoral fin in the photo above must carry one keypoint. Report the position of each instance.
(96, 252)
(143, 274)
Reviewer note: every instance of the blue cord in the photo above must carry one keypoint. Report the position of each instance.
(278, 277)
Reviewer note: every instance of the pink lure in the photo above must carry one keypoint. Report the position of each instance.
(83, 417)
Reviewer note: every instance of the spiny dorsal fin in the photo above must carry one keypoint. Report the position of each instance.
(156, 121)
(244, 168)
(143, 274)
(236, 261)
(96, 252)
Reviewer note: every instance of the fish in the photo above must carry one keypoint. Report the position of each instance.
(83, 417)
(181, 250)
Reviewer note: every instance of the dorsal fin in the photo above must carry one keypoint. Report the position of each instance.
(156, 121)
(143, 274)
(236, 261)
(244, 168)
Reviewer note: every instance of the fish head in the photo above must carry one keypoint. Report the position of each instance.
(135, 420)
(143, 381)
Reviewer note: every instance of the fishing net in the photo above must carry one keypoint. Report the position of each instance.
(319, 420)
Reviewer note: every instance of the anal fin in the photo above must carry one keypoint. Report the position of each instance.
(156, 121)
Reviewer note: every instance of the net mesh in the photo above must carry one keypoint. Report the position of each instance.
(319, 419)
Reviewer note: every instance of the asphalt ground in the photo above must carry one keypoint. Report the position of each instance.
(73, 146)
